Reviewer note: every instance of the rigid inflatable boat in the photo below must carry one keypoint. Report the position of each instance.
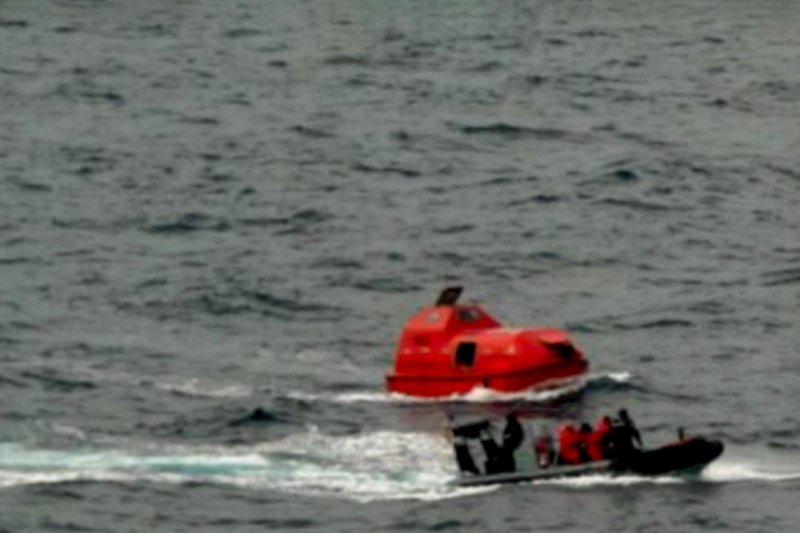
(686, 456)
(451, 348)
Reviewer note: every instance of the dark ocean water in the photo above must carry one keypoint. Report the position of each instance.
(211, 207)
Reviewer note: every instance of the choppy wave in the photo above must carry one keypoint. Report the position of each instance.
(191, 386)
(217, 182)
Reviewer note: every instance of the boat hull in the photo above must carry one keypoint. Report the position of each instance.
(680, 458)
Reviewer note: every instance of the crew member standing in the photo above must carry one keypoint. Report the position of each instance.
(512, 438)
(625, 438)
(633, 432)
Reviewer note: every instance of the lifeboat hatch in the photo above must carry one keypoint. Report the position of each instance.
(564, 349)
(465, 354)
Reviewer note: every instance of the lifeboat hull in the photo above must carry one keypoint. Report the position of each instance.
(432, 386)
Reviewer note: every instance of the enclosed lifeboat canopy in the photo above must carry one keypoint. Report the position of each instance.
(451, 348)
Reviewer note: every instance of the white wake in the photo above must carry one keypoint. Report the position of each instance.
(382, 465)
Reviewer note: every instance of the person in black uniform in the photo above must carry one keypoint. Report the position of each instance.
(512, 434)
(632, 432)
(624, 437)
(500, 459)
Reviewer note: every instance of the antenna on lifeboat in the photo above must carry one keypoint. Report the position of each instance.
(449, 296)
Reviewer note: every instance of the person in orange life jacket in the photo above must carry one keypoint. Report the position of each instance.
(599, 440)
(584, 438)
(568, 452)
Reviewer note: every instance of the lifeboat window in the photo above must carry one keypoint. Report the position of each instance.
(465, 354)
(468, 315)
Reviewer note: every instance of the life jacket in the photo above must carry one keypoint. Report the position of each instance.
(568, 439)
(597, 442)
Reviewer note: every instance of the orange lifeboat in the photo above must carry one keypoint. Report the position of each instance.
(451, 348)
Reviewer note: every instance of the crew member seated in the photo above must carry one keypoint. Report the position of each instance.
(598, 446)
(568, 452)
